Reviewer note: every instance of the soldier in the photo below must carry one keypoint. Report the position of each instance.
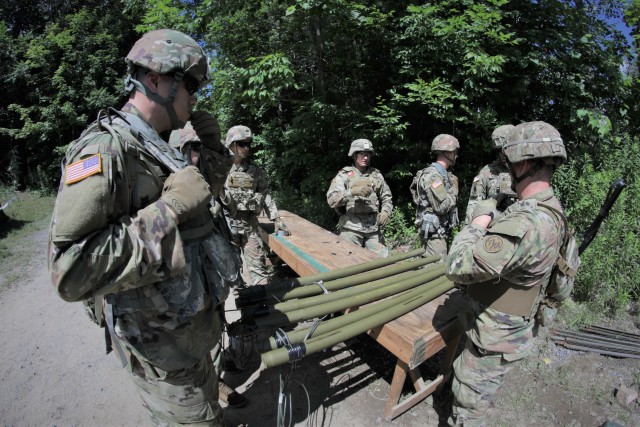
(245, 195)
(435, 193)
(215, 165)
(132, 235)
(362, 198)
(506, 261)
(493, 180)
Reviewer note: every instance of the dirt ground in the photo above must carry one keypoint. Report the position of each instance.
(54, 372)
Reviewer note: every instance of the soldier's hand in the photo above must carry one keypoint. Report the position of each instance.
(208, 130)
(186, 193)
(383, 219)
(361, 187)
(281, 226)
(485, 207)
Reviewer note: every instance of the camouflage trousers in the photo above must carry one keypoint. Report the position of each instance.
(255, 256)
(435, 246)
(477, 378)
(372, 241)
(183, 397)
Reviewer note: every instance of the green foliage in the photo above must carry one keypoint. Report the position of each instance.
(607, 279)
(57, 80)
(400, 230)
(28, 213)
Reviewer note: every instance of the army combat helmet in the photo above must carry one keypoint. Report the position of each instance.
(180, 137)
(538, 141)
(499, 136)
(535, 140)
(237, 133)
(360, 145)
(167, 52)
(445, 142)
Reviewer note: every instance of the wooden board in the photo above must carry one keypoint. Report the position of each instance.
(412, 338)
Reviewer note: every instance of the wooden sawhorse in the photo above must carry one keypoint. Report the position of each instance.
(412, 338)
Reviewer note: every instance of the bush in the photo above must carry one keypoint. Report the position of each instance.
(608, 278)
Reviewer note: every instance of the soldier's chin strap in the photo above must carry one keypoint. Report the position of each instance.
(539, 164)
(130, 84)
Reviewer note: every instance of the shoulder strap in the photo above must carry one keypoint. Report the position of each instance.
(443, 173)
(562, 262)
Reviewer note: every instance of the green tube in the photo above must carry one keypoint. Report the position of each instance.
(279, 319)
(313, 345)
(281, 339)
(356, 279)
(255, 294)
(426, 274)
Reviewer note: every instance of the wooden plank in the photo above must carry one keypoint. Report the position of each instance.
(311, 249)
(412, 338)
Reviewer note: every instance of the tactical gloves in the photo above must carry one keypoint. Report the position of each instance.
(186, 193)
(361, 187)
(485, 207)
(383, 219)
(281, 226)
(208, 130)
(505, 199)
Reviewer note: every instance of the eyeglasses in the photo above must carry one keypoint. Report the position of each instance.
(244, 144)
(191, 84)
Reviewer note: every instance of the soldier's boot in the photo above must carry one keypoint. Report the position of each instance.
(231, 397)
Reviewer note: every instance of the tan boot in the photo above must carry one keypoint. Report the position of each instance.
(230, 396)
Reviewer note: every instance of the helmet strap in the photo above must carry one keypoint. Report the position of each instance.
(538, 165)
(131, 83)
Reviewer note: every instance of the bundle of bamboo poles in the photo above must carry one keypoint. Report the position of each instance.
(396, 288)
(601, 340)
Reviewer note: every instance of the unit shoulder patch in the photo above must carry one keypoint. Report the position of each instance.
(493, 244)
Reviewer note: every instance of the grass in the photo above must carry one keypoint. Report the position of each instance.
(26, 215)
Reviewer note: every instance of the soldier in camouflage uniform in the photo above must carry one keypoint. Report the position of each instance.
(493, 180)
(505, 260)
(245, 194)
(214, 166)
(435, 193)
(362, 198)
(132, 235)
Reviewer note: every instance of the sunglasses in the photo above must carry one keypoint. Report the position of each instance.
(191, 84)
(244, 144)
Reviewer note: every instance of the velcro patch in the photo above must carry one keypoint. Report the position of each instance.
(437, 183)
(351, 173)
(80, 170)
(493, 244)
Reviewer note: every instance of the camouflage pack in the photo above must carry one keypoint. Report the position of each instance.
(563, 275)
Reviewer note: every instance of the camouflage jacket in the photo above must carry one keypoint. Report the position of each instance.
(246, 195)
(110, 236)
(359, 214)
(519, 248)
(432, 195)
(492, 180)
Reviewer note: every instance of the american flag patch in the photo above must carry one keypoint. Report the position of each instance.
(80, 170)
(437, 183)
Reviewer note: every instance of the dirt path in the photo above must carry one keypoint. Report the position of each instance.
(54, 372)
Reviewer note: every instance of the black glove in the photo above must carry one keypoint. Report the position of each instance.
(208, 130)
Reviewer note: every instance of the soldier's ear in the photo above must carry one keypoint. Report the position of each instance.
(152, 80)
